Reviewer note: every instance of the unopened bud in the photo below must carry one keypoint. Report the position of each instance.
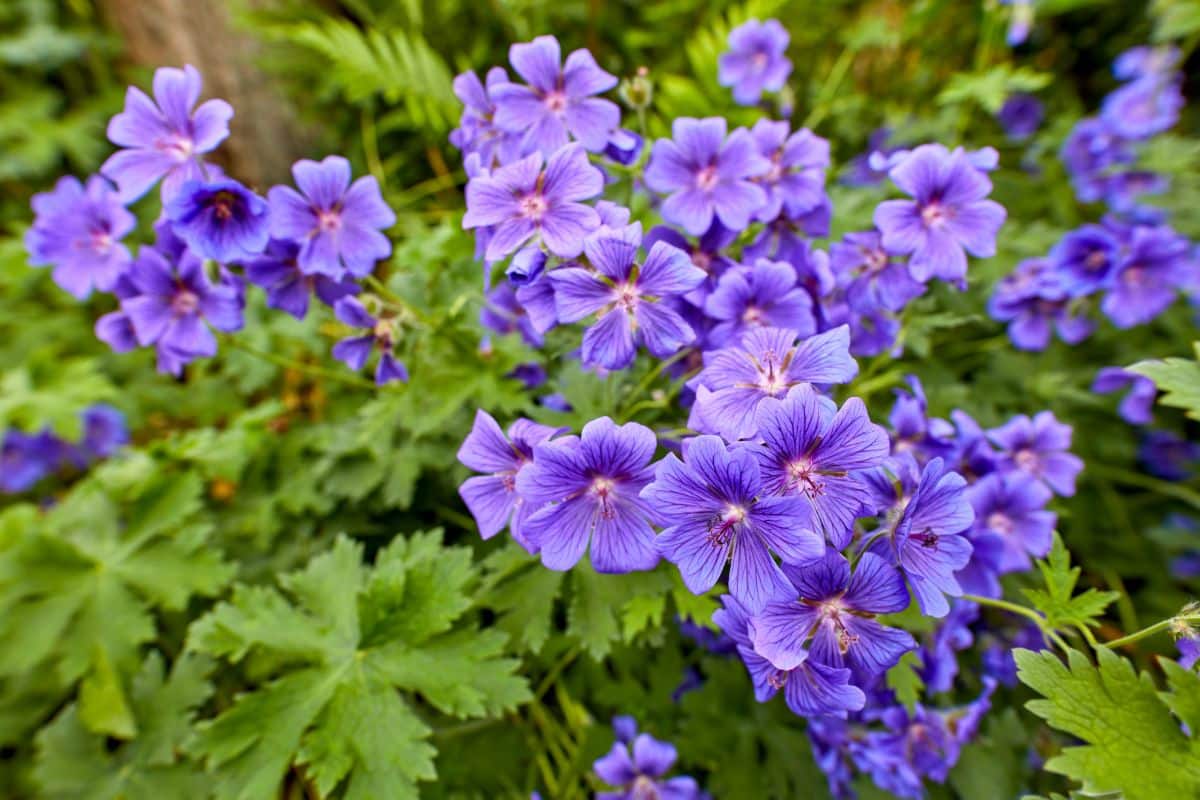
(638, 92)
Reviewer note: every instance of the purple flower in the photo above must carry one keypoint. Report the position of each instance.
(811, 689)
(1021, 116)
(710, 502)
(558, 100)
(755, 62)
(1086, 259)
(1146, 62)
(832, 621)
(629, 298)
(860, 171)
(1021, 22)
(764, 295)
(23, 461)
(288, 288)
(170, 304)
(164, 137)
(766, 363)
(477, 131)
(1011, 507)
(587, 488)
(795, 177)
(1152, 270)
(104, 432)
(79, 231)
(493, 498)
(1135, 407)
(624, 147)
(354, 351)
(706, 174)
(810, 451)
(503, 313)
(336, 223)
(871, 277)
(1034, 302)
(926, 540)
(639, 775)
(939, 653)
(1166, 456)
(221, 219)
(707, 254)
(1123, 189)
(948, 213)
(521, 200)
(1090, 150)
(1038, 447)
(1143, 108)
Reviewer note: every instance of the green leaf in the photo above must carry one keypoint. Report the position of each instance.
(1132, 742)
(1177, 378)
(904, 680)
(1062, 610)
(598, 603)
(341, 639)
(991, 88)
(73, 762)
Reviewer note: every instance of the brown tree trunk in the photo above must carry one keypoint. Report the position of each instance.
(265, 137)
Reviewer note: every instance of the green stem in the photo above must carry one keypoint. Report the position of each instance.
(1028, 613)
(1146, 482)
(349, 379)
(829, 88)
(371, 147)
(555, 671)
(651, 376)
(1149, 630)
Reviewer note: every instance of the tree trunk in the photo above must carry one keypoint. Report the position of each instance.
(265, 137)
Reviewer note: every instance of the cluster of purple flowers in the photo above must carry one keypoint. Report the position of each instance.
(821, 524)
(636, 765)
(1132, 261)
(539, 152)
(26, 459)
(174, 293)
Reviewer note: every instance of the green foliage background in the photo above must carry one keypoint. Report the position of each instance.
(276, 591)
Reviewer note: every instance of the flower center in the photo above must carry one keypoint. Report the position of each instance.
(1027, 460)
(1095, 260)
(706, 179)
(555, 101)
(533, 206)
(222, 205)
(1134, 276)
(102, 242)
(722, 527)
(875, 260)
(179, 148)
(627, 296)
(329, 221)
(775, 171)
(184, 303)
(702, 260)
(777, 679)
(804, 478)
(753, 315)
(1000, 522)
(604, 490)
(759, 60)
(927, 538)
(934, 215)
(644, 789)
(383, 334)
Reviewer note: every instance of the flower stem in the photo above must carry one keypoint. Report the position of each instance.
(1028, 613)
(1149, 630)
(300, 366)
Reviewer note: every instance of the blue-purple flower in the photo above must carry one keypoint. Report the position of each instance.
(164, 138)
(559, 100)
(78, 231)
(1011, 508)
(493, 498)
(477, 131)
(587, 488)
(1039, 447)
(288, 288)
(810, 451)
(1034, 302)
(949, 213)
(1086, 258)
(221, 219)
(337, 223)
(832, 618)
(767, 362)
(766, 295)
(521, 200)
(756, 60)
(706, 174)
(1143, 108)
(706, 254)
(1136, 407)
(795, 176)
(355, 351)
(104, 432)
(1020, 116)
(713, 506)
(171, 305)
(628, 298)
(1157, 263)
(637, 763)
(873, 279)
(927, 541)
